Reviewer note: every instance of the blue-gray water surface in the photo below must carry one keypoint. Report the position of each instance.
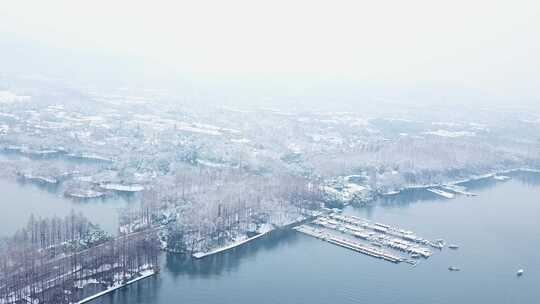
(18, 200)
(498, 233)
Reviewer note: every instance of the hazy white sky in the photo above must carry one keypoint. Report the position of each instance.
(491, 44)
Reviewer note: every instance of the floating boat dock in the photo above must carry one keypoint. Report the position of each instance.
(399, 236)
(371, 251)
(373, 239)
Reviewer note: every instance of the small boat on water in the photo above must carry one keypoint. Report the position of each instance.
(520, 272)
(452, 246)
(453, 268)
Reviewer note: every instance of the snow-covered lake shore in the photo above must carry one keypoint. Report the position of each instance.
(201, 254)
(144, 274)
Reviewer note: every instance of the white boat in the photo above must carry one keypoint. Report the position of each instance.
(453, 268)
(452, 246)
(520, 272)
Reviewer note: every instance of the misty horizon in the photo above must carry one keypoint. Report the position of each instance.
(482, 53)
(278, 152)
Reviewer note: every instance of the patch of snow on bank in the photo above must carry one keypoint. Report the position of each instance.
(236, 243)
(240, 141)
(122, 187)
(451, 134)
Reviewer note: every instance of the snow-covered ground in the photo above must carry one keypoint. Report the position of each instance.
(117, 285)
(121, 187)
(451, 134)
(235, 243)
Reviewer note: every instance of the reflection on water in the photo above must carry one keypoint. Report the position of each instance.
(141, 292)
(415, 195)
(406, 197)
(227, 261)
(19, 199)
(481, 184)
(177, 268)
(55, 189)
(49, 187)
(410, 196)
(528, 178)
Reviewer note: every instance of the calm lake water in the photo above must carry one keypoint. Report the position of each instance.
(498, 232)
(19, 200)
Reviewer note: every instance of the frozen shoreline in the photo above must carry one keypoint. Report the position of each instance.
(145, 274)
(121, 187)
(200, 255)
(267, 230)
(466, 180)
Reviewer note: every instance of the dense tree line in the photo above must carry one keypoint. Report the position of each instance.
(203, 208)
(52, 260)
